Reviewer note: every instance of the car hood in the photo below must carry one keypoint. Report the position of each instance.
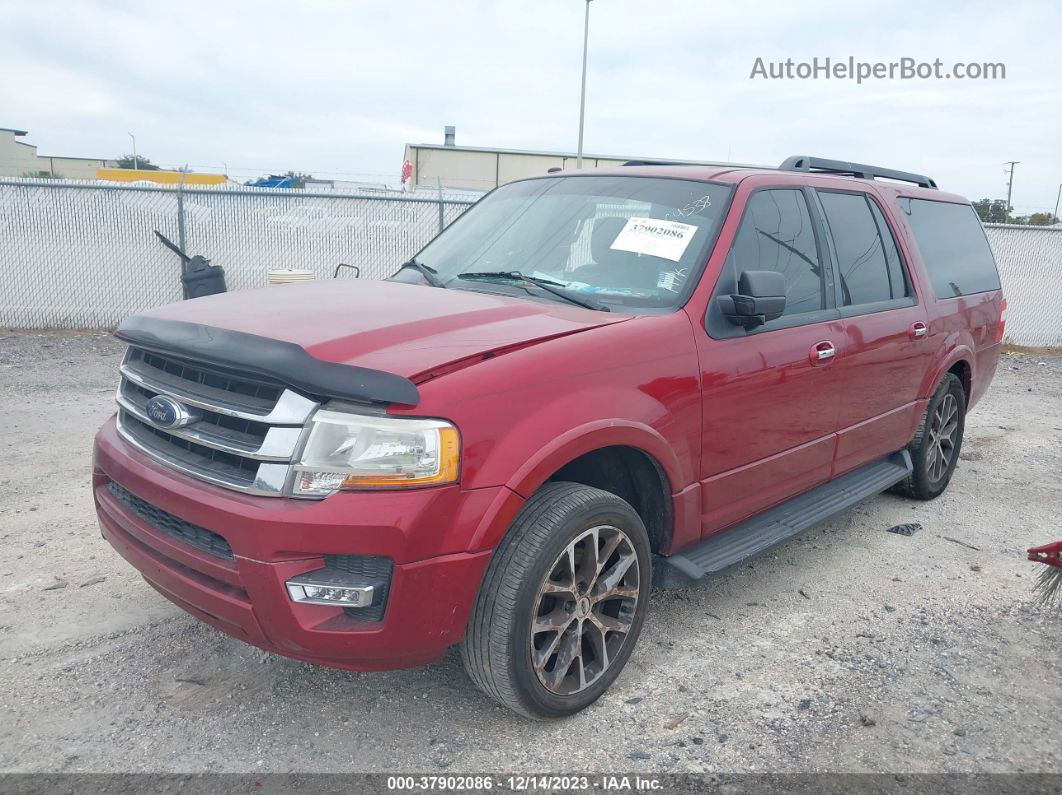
(406, 329)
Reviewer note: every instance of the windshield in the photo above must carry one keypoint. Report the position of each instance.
(636, 242)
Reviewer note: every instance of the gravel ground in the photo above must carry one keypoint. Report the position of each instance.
(848, 649)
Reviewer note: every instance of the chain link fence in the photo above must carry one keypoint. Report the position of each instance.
(1030, 267)
(83, 254)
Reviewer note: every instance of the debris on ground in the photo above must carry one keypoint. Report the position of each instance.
(905, 529)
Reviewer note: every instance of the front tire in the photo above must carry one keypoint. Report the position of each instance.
(562, 603)
(937, 442)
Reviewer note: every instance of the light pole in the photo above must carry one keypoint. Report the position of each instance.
(582, 91)
(1056, 204)
(136, 163)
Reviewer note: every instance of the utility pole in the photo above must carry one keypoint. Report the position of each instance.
(136, 163)
(1056, 204)
(1010, 182)
(582, 91)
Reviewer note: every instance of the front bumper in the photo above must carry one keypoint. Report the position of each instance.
(425, 533)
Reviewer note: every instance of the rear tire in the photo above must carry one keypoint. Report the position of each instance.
(562, 603)
(937, 442)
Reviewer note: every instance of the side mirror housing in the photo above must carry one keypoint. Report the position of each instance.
(760, 298)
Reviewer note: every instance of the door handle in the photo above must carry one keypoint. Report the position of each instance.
(823, 352)
(918, 330)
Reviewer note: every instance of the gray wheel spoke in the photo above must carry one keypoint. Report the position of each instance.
(604, 554)
(570, 560)
(541, 656)
(615, 574)
(552, 622)
(579, 661)
(616, 592)
(608, 623)
(570, 644)
(949, 429)
(598, 640)
(550, 587)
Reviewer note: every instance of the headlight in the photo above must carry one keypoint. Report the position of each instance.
(354, 451)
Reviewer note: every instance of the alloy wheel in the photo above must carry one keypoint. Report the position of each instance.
(584, 610)
(942, 428)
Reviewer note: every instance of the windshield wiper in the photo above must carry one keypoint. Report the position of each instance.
(429, 274)
(548, 285)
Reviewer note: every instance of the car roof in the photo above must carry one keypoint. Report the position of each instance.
(763, 176)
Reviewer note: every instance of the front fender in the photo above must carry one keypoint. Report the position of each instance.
(560, 450)
(593, 436)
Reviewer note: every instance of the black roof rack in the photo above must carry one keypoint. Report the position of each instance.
(660, 163)
(821, 164)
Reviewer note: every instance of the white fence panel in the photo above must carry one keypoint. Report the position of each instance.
(1030, 267)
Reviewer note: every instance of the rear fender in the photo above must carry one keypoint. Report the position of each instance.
(955, 350)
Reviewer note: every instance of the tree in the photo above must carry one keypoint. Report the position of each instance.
(141, 163)
(43, 175)
(1043, 219)
(993, 211)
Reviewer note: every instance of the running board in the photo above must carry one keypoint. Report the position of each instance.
(730, 547)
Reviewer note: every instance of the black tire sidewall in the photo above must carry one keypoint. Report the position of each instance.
(608, 510)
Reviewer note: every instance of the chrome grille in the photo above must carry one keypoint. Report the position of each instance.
(247, 429)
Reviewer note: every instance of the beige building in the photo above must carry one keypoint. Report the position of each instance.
(18, 158)
(482, 169)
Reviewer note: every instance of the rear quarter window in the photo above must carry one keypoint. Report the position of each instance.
(953, 247)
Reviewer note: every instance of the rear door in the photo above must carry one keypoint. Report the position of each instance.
(885, 337)
(963, 294)
(770, 394)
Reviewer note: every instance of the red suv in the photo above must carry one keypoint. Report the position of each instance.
(589, 383)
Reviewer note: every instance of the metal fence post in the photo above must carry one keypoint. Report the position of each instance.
(181, 242)
(442, 215)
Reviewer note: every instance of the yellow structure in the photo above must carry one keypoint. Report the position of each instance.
(161, 177)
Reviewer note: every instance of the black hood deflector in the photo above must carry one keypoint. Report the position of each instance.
(275, 359)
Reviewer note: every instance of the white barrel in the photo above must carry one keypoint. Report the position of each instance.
(288, 276)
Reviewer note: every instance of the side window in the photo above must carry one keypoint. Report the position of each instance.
(953, 246)
(866, 274)
(898, 278)
(776, 235)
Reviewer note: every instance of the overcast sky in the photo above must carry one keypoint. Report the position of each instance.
(337, 88)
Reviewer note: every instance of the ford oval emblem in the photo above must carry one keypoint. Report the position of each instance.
(165, 412)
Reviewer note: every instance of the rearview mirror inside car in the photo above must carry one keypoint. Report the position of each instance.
(760, 298)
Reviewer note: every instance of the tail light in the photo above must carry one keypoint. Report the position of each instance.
(1002, 319)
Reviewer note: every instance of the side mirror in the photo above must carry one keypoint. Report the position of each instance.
(760, 298)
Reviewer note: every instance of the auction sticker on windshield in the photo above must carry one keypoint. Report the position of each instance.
(667, 239)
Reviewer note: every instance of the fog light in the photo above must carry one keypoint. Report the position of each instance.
(303, 589)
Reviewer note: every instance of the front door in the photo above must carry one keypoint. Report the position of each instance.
(770, 395)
